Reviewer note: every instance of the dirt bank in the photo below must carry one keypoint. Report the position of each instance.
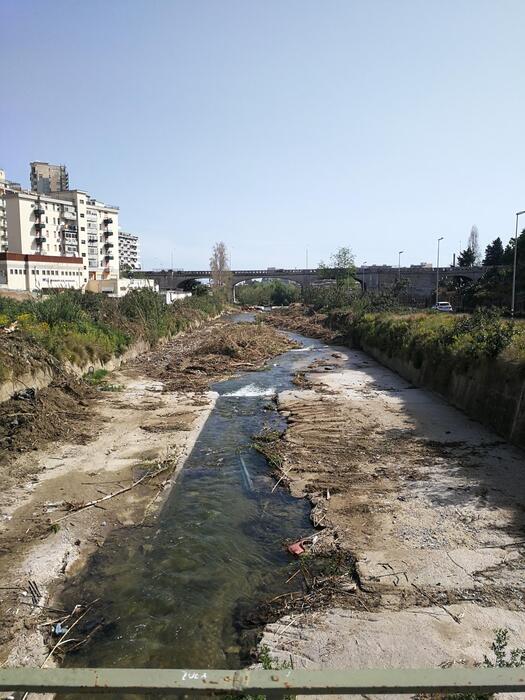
(116, 452)
(427, 507)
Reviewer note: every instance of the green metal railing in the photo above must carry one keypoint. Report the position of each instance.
(258, 682)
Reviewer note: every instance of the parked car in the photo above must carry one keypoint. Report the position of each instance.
(443, 306)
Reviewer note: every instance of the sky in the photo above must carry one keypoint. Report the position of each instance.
(276, 126)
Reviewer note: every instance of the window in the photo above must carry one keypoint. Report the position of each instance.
(82, 228)
(81, 201)
(83, 242)
(16, 272)
(82, 216)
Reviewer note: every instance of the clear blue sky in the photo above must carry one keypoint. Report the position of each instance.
(275, 125)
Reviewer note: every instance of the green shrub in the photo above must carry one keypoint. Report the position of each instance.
(87, 327)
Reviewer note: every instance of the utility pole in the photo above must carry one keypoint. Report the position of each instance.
(399, 264)
(513, 304)
(307, 258)
(437, 272)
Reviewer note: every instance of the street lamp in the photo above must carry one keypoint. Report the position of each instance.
(399, 263)
(518, 213)
(437, 272)
(363, 274)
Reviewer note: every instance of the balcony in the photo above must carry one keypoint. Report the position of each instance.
(69, 216)
(40, 240)
(108, 221)
(108, 233)
(108, 245)
(70, 228)
(108, 257)
(40, 225)
(39, 211)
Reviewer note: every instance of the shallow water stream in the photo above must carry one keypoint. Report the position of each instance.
(178, 585)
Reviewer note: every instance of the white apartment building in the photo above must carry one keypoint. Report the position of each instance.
(62, 239)
(67, 224)
(97, 227)
(5, 186)
(129, 251)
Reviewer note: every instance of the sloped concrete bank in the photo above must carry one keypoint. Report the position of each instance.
(492, 392)
(428, 506)
(43, 369)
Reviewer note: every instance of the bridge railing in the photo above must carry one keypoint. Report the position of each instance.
(259, 682)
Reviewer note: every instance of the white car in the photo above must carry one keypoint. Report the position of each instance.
(443, 306)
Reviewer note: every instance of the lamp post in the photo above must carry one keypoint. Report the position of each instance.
(518, 214)
(437, 272)
(363, 274)
(399, 264)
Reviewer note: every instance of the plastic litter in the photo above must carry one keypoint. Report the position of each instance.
(296, 548)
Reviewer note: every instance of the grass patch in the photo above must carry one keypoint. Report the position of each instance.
(83, 328)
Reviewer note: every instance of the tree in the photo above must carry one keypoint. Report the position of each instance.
(341, 268)
(220, 268)
(193, 286)
(473, 244)
(467, 258)
(508, 253)
(494, 253)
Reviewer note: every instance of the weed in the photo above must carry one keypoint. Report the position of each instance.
(54, 527)
(97, 377)
(268, 663)
(503, 658)
(84, 328)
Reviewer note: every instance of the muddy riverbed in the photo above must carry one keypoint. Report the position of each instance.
(177, 589)
(135, 440)
(418, 509)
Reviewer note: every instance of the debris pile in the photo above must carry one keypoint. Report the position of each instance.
(300, 319)
(33, 417)
(192, 363)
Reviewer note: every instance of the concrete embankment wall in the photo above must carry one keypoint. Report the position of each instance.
(42, 376)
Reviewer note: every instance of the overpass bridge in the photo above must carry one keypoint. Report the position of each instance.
(420, 281)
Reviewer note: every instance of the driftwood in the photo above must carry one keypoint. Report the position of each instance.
(436, 602)
(93, 504)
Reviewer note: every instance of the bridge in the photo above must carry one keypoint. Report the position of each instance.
(420, 281)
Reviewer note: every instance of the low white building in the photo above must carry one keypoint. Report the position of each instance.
(40, 273)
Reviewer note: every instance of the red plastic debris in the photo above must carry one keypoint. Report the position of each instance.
(296, 548)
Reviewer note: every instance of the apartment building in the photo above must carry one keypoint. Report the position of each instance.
(5, 186)
(71, 227)
(97, 227)
(129, 251)
(47, 178)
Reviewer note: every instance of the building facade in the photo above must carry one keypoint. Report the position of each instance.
(65, 225)
(97, 228)
(129, 251)
(5, 186)
(40, 273)
(54, 237)
(47, 178)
